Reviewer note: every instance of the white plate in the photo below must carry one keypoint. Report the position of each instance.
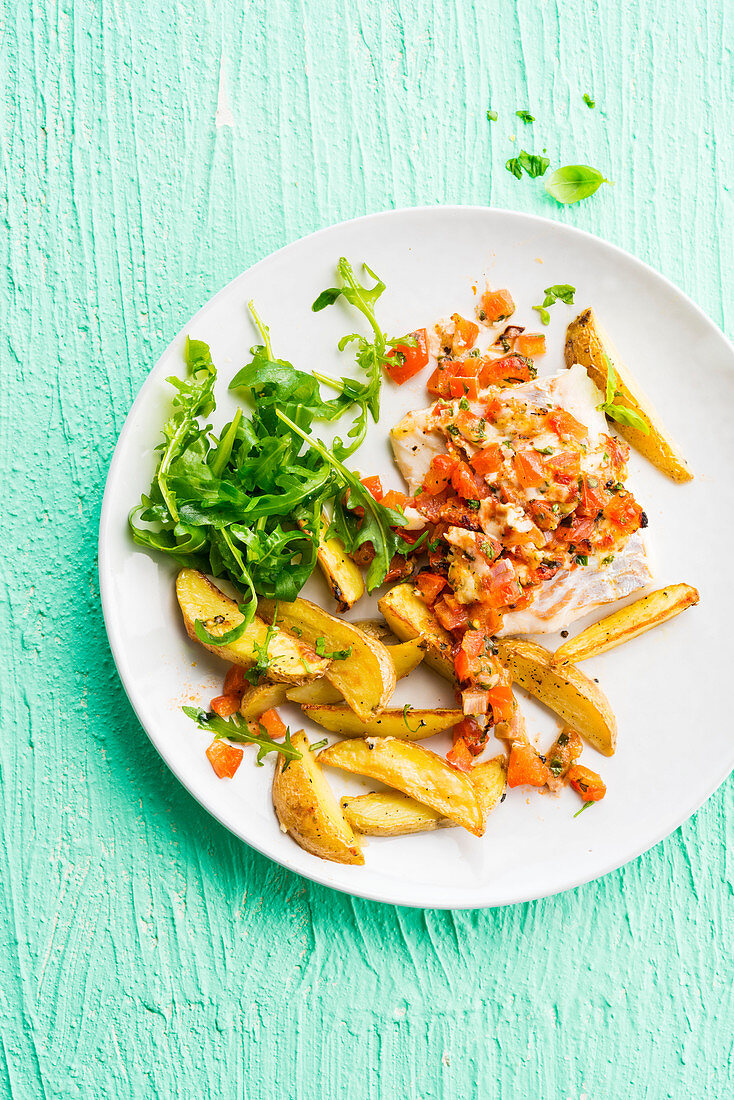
(668, 689)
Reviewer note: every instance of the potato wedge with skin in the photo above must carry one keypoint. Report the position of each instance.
(262, 697)
(366, 678)
(342, 575)
(415, 771)
(389, 723)
(307, 809)
(565, 689)
(405, 657)
(291, 660)
(408, 617)
(588, 344)
(388, 813)
(373, 627)
(627, 623)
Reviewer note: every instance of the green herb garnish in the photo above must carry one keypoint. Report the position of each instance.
(319, 745)
(589, 101)
(534, 164)
(336, 655)
(560, 292)
(473, 504)
(584, 807)
(406, 711)
(574, 182)
(621, 413)
(491, 116)
(234, 729)
(525, 116)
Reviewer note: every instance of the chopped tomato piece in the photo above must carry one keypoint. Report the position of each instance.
(624, 510)
(500, 584)
(472, 732)
(273, 723)
(464, 387)
(464, 482)
(394, 499)
(373, 485)
(487, 620)
(530, 468)
(408, 358)
(492, 408)
(235, 682)
(511, 368)
(465, 334)
(593, 496)
(439, 381)
(474, 701)
(530, 344)
(460, 755)
(430, 584)
(566, 426)
(496, 305)
(226, 705)
(469, 424)
(450, 613)
(462, 666)
(502, 702)
(564, 464)
(439, 473)
(579, 530)
(617, 450)
(525, 768)
(224, 758)
(473, 643)
(589, 785)
(488, 460)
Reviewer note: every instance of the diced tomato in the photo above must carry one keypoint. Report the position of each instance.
(439, 381)
(429, 585)
(487, 620)
(530, 468)
(593, 496)
(464, 482)
(408, 359)
(525, 768)
(473, 643)
(465, 334)
(469, 424)
(394, 499)
(224, 758)
(502, 702)
(439, 473)
(400, 567)
(566, 426)
(459, 755)
(624, 510)
(617, 450)
(500, 584)
(543, 514)
(474, 701)
(566, 464)
(462, 666)
(492, 408)
(589, 785)
(496, 305)
(511, 368)
(273, 723)
(226, 705)
(578, 531)
(450, 613)
(373, 485)
(488, 460)
(235, 682)
(471, 731)
(530, 344)
(464, 387)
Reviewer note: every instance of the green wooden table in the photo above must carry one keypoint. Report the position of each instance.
(150, 152)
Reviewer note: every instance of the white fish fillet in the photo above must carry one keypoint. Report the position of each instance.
(570, 594)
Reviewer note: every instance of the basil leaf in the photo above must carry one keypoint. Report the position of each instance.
(534, 164)
(624, 415)
(589, 101)
(560, 292)
(574, 182)
(544, 314)
(525, 116)
(491, 116)
(513, 165)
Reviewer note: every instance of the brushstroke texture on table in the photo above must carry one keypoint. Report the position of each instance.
(149, 153)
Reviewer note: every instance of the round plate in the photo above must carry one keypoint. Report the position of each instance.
(674, 744)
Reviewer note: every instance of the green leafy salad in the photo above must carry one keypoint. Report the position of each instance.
(246, 503)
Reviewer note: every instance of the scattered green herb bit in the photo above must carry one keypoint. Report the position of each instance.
(544, 314)
(473, 504)
(473, 354)
(534, 164)
(319, 745)
(574, 182)
(608, 559)
(229, 636)
(544, 450)
(556, 766)
(296, 630)
(452, 429)
(525, 116)
(433, 546)
(463, 404)
(621, 413)
(255, 673)
(563, 737)
(584, 807)
(336, 655)
(234, 729)
(406, 711)
(491, 116)
(559, 292)
(581, 559)
(589, 101)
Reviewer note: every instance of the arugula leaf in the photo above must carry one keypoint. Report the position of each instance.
(584, 807)
(525, 116)
(235, 729)
(491, 116)
(574, 182)
(589, 101)
(621, 413)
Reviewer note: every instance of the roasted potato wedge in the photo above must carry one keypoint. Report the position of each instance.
(415, 771)
(588, 344)
(291, 660)
(366, 678)
(389, 723)
(262, 697)
(374, 627)
(408, 617)
(388, 813)
(627, 623)
(565, 689)
(342, 575)
(405, 657)
(307, 809)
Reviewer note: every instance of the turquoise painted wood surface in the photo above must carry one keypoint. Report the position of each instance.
(149, 153)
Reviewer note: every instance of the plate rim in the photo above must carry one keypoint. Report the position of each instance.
(319, 875)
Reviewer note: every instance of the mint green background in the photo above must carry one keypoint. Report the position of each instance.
(144, 952)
